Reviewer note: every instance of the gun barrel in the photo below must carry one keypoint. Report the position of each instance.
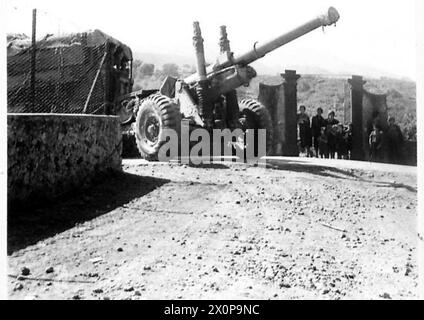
(327, 19)
(331, 17)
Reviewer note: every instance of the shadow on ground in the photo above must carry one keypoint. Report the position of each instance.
(208, 166)
(332, 172)
(304, 166)
(395, 185)
(30, 224)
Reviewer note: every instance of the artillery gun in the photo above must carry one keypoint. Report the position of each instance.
(208, 98)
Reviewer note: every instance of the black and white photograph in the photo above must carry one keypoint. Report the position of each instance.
(211, 150)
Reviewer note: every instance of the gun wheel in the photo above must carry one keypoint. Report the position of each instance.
(156, 113)
(254, 115)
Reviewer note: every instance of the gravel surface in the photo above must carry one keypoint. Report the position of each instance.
(296, 229)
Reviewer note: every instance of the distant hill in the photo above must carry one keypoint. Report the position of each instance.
(338, 68)
(160, 59)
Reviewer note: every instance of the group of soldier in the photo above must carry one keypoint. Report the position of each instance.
(331, 139)
(386, 142)
(328, 137)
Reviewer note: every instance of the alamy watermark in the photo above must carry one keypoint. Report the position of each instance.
(207, 146)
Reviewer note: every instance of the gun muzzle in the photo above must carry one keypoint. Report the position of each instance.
(331, 17)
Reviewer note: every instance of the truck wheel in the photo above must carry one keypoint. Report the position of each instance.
(156, 112)
(254, 115)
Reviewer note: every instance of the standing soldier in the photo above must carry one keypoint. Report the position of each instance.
(394, 140)
(331, 131)
(349, 140)
(304, 125)
(318, 122)
(375, 142)
(323, 144)
(341, 142)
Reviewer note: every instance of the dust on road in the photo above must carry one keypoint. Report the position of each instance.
(172, 231)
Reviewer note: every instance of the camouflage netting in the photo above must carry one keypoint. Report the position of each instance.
(72, 72)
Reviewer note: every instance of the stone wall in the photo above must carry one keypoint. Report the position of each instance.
(52, 154)
(281, 102)
(365, 108)
(272, 97)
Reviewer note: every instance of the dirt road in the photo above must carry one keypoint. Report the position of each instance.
(298, 229)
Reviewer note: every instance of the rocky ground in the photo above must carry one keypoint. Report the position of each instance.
(297, 229)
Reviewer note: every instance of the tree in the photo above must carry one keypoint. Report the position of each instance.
(303, 86)
(147, 69)
(170, 69)
(137, 64)
(188, 69)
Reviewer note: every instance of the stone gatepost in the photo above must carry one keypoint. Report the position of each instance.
(272, 97)
(357, 94)
(281, 102)
(289, 113)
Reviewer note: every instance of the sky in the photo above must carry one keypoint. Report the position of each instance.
(375, 37)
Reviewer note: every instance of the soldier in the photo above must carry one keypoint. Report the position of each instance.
(331, 131)
(323, 144)
(349, 140)
(394, 139)
(318, 122)
(341, 142)
(304, 125)
(375, 141)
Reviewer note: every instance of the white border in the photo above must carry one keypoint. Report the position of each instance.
(419, 6)
(3, 154)
(3, 146)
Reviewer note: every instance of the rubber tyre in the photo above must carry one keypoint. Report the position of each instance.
(257, 117)
(155, 113)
